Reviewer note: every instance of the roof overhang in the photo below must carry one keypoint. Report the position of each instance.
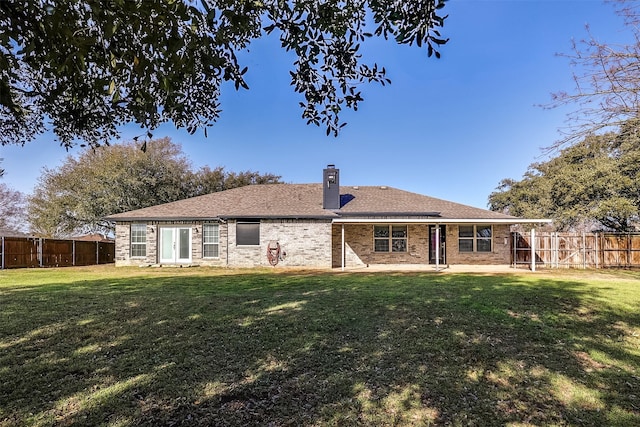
(512, 221)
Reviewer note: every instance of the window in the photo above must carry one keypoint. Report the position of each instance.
(474, 238)
(138, 240)
(390, 238)
(248, 233)
(210, 240)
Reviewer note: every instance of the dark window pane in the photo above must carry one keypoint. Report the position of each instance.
(381, 231)
(483, 231)
(399, 245)
(382, 245)
(484, 245)
(399, 231)
(465, 245)
(465, 231)
(248, 233)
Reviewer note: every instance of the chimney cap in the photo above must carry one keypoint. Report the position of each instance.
(331, 166)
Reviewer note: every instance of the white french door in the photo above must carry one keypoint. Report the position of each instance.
(175, 245)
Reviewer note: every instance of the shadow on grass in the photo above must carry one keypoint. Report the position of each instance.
(300, 349)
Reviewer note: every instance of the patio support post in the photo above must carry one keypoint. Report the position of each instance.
(41, 252)
(437, 247)
(342, 250)
(533, 249)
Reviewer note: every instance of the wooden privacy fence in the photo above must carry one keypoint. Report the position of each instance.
(576, 250)
(24, 252)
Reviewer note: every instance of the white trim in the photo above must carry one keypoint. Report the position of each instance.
(342, 246)
(439, 221)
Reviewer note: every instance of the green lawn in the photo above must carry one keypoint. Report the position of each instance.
(120, 347)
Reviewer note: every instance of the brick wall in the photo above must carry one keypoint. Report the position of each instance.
(359, 247)
(306, 243)
(499, 254)
(314, 243)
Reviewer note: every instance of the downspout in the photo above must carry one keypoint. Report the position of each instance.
(342, 250)
(2, 253)
(226, 223)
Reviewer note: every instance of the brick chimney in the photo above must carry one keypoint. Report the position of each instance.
(331, 188)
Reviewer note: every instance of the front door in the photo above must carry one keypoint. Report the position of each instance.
(432, 244)
(175, 245)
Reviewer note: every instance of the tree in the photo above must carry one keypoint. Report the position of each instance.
(12, 208)
(75, 198)
(607, 81)
(591, 184)
(86, 67)
(208, 180)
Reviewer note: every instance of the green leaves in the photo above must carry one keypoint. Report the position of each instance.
(591, 185)
(85, 68)
(75, 198)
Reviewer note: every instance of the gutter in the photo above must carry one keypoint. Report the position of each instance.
(440, 221)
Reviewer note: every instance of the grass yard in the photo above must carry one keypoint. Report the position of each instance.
(123, 347)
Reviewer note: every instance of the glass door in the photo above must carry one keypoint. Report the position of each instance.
(432, 244)
(175, 245)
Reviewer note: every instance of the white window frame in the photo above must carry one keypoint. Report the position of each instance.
(214, 244)
(139, 243)
(475, 238)
(391, 239)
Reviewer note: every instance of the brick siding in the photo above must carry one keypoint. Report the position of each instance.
(313, 243)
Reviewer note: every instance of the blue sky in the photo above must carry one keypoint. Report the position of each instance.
(450, 128)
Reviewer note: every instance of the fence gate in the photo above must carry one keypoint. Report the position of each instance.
(576, 250)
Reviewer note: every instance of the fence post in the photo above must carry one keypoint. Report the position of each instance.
(533, 249)
(73, 252)
(97, 253)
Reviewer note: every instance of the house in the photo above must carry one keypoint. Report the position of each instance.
(312, 225)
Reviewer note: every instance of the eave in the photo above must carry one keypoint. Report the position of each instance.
(511, 221)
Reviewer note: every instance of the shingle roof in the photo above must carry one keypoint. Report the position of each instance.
(305, 201)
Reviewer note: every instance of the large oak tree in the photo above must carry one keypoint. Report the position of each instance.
(85, 67)
(74, 198)
(593, 184)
